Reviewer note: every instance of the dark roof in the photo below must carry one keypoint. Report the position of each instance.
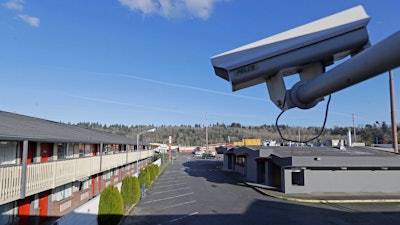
(330, 156)
(321, 156)
(287, 151)
(19, 127)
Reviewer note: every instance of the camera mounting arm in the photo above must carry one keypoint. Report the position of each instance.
(371, 62)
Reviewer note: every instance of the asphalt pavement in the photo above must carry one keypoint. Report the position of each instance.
(196, 191)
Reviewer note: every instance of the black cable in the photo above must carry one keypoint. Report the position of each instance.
(305, 141)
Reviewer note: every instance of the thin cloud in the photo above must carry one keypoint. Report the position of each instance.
(190, 87)
(172, 8)
(33, 21)
(17, 5)
(152, 108)
(122, 103)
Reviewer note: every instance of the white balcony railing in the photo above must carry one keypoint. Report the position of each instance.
(10, 183)
(45, 176)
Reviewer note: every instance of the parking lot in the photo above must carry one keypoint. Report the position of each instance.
(195, 191)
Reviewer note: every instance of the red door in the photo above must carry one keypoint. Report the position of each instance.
(94, 150)
(43, 205)
(46, 149)
(31, 150)
(93, 186)
(24, 210)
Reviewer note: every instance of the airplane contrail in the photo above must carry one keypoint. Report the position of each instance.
(189, 87)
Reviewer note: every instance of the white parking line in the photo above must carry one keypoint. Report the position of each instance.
(172, 178)
(162, 199)
(170, 185)
(176, 189)
(183, 217)
(179, 204)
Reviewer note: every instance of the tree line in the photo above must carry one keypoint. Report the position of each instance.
(378, 133)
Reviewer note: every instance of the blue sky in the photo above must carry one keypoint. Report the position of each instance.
(141, 62)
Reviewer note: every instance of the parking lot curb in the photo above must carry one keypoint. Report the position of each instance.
(327, 199)
(284, 196)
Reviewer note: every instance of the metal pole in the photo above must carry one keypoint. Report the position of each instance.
(137, 144)
(137, 154)
(354, 130)
(393, 113)
(206, 132)
(169, 149)
(371, 62)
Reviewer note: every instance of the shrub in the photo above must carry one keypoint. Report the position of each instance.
(136, 189)
(154, 170)
(111, 206)
(157, 169)
(144, 177)
(130, 190)
(163, 156)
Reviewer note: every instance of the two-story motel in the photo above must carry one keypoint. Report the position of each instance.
(48, 168)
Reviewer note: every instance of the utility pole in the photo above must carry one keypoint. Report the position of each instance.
(206, 132)
(393, 114)
(299, 135)
(354, 130)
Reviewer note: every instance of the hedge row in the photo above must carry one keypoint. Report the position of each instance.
(154, 171)
(111, 205)
(148, 174)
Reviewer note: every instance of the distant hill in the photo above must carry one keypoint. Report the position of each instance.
(219, 133)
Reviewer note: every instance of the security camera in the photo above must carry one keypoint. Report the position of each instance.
(305, 50)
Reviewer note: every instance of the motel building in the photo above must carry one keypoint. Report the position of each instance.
(316, 169)
(47, 169)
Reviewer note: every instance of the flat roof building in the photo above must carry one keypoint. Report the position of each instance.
(317, 169)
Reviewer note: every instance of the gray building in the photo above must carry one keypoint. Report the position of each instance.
(316, 169)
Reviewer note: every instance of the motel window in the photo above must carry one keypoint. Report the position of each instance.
(107, 175)
(65, 150)
(83, 185)
(115, 172)
(8, 152)
(63, 192)
(240, 161)
(85, 150)
(116, 148)
(298, 178)
(107, 149)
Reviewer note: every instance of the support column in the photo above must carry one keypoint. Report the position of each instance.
(101, 156)
(24, 168)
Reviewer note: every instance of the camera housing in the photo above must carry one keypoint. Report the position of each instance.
(305, 50)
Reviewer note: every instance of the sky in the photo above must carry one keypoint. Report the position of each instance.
(147, 62)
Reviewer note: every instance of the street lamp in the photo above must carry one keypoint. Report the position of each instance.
(137, 151)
